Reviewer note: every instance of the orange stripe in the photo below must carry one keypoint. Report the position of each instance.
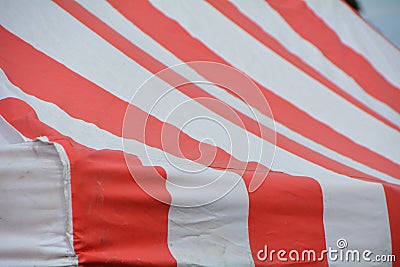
(188, 49)
(286, 212)
(115, 222)
(309, 26)
(231, 12)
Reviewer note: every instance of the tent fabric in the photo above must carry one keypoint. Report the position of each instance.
(91, 77)
(8, 134)
(35, 211)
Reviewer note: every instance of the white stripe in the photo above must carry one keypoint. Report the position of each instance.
(272, 71)
(356, 211)
(84, 133)
(212, 235)
(83, 64)
(364, 40)
(272, 23)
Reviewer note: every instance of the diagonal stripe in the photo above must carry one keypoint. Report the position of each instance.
(190, 49)
(286, 80)
(289, 144)
(364, 41)
(308, 25)
(231, 12)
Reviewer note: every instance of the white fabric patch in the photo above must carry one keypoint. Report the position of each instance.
(35, 206)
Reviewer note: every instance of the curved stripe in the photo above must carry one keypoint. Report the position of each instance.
(361, 216)
(259, 228)
(309, 26)
(330, 164)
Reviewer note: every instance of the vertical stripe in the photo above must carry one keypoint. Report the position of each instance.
(286, 213)
(356, 211)
(212, 235)
(284, 78)
(131, 226)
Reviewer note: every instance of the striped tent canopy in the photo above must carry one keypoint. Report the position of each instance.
(197, 133)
